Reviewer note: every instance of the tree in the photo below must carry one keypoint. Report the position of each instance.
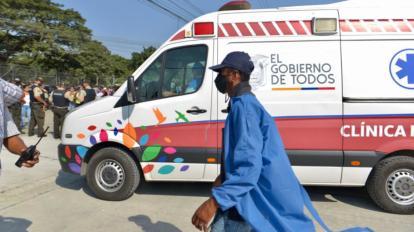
(42, 35)
(40, 32)
(139, 57)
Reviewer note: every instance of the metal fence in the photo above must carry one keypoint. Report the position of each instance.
(51, 77)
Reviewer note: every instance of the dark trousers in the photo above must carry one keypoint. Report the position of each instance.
(37, 117)
(16, 112)
(58, 117)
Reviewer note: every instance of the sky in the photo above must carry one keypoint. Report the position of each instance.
(126, 26)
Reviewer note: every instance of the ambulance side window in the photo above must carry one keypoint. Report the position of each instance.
(184, 70)
(176, 72)
(148, 84)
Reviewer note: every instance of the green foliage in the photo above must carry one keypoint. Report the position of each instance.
(139, 57)
(42, 34)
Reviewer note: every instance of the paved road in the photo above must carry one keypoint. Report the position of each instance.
(44, 199)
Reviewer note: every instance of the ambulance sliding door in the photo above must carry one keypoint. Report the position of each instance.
(297, 78)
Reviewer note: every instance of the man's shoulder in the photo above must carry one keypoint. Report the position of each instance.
(246, 102)
(246, 99)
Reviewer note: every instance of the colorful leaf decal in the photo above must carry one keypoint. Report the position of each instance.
(167, 140)
(184, 168)
(163, 158)
(128, 141)
(166, 169)
(144, 140)
(148, 168)
(151, 153)
(170, 150)
(74, 167)
(81, 151)
(80, 136)
(130, 130)
(178, 160)
(78, 159)
(103, 136)
(92, 140)
(67, 152)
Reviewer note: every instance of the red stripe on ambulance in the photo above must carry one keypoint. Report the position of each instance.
(220, 32)
(372, 25)
(304, 27)
(298, 28)
(308, 25)
(229, 29)
(270, 28)
(243, 29)
(344, 26)
(281, 28)
(284, 28)
(180, 35)
(257, 29)
(403, 26)
(357, 25)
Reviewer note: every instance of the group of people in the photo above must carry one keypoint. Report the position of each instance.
(60, 99)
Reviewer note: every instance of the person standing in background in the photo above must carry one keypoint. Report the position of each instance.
(70, 95)
(60, 102)
(25, 107)
(38, 105)
(90, 93)
(79, 96)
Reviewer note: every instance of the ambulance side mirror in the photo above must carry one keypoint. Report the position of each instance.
(131, 90)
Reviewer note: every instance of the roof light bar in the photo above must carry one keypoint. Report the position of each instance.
(202, 29)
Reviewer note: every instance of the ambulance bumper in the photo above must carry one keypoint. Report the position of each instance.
(70, 159)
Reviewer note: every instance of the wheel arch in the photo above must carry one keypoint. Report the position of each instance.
(135, 153)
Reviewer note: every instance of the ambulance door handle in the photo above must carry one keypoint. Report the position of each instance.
(196, 110)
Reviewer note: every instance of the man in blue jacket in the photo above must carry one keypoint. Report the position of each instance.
(258, 189)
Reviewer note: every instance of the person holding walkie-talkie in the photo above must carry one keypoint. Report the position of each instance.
(9, 134)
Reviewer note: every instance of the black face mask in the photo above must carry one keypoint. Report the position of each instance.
(221, 83)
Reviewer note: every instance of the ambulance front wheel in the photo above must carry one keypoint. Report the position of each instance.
(391, 184)
(112, 174)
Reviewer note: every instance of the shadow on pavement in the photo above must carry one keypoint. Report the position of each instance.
(145, 223)
(355, 196)
(70, 181)
(12, 224)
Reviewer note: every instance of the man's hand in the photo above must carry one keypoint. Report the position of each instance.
(204, 214)
(16, 145)
(31, 163)
(217, 182)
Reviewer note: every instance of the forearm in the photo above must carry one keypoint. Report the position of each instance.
(14, 144)
(41, 100)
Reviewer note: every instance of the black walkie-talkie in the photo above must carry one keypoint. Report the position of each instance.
(28, 154)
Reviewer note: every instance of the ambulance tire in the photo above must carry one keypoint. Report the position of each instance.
(391, 170)
(112, 174)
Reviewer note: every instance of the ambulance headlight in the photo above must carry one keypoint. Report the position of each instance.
(324, 26)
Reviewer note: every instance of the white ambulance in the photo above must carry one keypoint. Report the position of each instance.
(338, 80)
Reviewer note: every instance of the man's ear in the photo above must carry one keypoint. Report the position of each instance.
(236, 78)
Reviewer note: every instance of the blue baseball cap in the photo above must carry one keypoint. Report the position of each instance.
(240, 61)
